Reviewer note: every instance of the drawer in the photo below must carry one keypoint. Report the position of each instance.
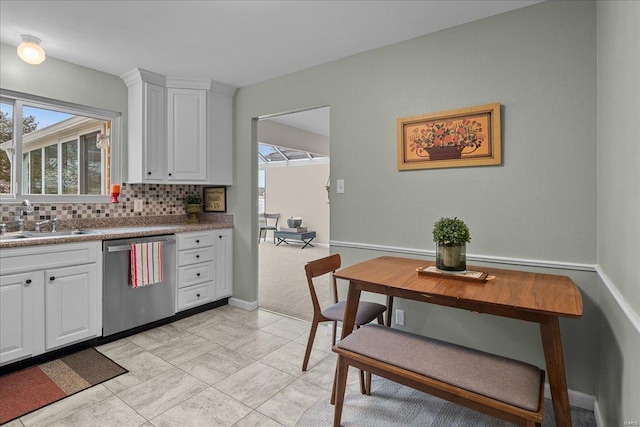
(195, 256)
(195, 295)
(194, 274)
(195, 240)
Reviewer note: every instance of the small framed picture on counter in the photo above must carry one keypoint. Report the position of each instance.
(215, 199)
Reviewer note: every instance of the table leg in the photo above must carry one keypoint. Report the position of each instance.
(307, 243)
(552, 345)
(350, 310)
(389, 310)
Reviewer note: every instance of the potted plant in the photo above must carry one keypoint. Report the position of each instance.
(451, 236)
(193, 207)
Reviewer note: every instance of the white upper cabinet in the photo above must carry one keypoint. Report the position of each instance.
(180, 130)
(187, 135)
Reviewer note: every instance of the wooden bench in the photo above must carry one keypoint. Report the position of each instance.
(495, 385)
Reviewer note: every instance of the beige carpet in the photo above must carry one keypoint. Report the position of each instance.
(282, 282)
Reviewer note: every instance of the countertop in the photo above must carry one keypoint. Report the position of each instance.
(109, 233)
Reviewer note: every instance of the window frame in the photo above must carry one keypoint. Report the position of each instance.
(19, 100)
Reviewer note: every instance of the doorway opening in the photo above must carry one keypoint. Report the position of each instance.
(293, 176)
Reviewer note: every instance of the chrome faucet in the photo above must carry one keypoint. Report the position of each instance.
(41, 223)
(26, 209)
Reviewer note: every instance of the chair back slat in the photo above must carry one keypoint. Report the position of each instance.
(318, 268)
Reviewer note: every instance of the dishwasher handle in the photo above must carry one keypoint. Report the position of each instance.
(124, 248)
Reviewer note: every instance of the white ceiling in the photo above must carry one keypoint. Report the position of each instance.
(234, 42)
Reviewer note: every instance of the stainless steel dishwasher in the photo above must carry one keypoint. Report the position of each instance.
(125, 307)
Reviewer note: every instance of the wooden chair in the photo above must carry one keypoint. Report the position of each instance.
(267, 227)
(367, 311)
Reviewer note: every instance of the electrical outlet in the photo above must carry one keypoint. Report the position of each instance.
(340, 186)
(137, 205)
(399, 317)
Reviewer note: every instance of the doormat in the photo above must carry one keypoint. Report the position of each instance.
(38, 386)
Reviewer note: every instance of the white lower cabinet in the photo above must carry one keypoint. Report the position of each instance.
(224, 262)
(204, 267)
(69, 302)
(17, 312)
(50, 296)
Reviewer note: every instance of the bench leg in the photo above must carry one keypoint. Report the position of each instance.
(339, 385)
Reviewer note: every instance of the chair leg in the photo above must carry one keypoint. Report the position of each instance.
(312, 336)
(363, 386)
(335, 328)
(367, 384)
(380, 320)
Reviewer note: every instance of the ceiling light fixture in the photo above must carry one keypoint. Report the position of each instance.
(30, 50)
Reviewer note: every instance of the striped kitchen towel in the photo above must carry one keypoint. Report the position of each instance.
(146, 264)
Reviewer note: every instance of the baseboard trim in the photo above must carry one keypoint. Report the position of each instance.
(470, 257)
(597, 415)
(245, 305)
(576, 398)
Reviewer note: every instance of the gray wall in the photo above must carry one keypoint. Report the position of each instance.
(62, 81)
(618, 44)
(539, 62)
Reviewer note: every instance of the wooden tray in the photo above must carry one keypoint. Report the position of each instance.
(469, 276)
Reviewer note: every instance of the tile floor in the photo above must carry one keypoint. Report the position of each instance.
(223, 367)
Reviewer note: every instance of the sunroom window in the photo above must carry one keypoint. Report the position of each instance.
(55, 152)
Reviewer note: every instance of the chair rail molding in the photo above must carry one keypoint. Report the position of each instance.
(470, 257)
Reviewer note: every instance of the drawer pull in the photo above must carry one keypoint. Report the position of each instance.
(148, 173)
(52, 278)
(197, 256)
(198, 274)
(28, 282)
(197, 241)
(198, 295)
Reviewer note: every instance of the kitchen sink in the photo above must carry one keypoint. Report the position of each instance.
(46, 235)
(13, 236)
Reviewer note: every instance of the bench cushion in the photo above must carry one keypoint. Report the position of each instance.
(499, 378)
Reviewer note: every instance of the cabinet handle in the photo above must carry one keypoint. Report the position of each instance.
(197, 241)
(220, 237)
(148, 173)
(198, 295)
(52, 278)
(28, 282)
(198, 274)
(169, 174)
(197, 256)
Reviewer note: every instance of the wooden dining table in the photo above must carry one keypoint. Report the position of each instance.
(533, 297)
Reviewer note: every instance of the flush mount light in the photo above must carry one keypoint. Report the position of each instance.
(30, 50)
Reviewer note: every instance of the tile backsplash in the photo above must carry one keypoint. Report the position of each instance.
(157, 200)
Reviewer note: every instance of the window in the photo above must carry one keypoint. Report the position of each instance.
(55, 152)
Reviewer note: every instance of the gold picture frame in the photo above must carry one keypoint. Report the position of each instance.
(457, 138)
(215, 199)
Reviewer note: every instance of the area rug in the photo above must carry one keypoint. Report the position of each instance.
(32, 388)
(392, 404)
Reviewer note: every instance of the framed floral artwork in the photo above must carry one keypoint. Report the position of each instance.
(464, 137)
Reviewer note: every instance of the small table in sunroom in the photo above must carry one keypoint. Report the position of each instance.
(305, 237)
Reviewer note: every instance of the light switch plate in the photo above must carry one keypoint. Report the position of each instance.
(137, 205)
(340, 186)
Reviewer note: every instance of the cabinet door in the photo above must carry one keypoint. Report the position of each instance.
(17, 315)
(71, 305)
(224, 263)
(187, 135)
(155, 150)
